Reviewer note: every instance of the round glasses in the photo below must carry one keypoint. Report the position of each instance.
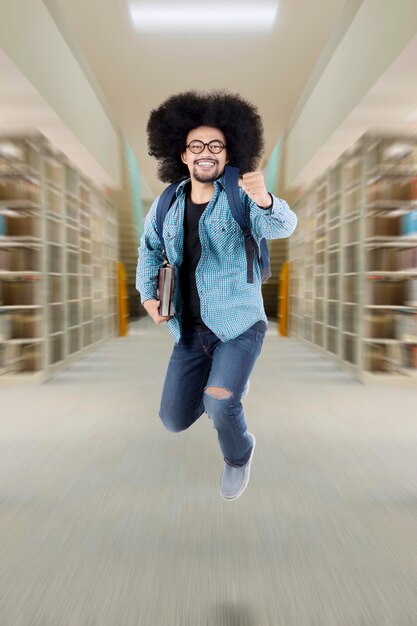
(215, 146)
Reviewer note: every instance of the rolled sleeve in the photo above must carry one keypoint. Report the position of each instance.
(275, 222)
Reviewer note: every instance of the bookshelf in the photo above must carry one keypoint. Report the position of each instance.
(58, 255)
(353, 258)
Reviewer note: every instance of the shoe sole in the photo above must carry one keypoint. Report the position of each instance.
(239, 493)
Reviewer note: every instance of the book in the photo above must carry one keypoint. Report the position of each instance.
(166, 281)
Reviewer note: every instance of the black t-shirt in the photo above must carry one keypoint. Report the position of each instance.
(191, 316)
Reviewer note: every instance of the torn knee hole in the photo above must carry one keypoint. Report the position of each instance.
(220, 393)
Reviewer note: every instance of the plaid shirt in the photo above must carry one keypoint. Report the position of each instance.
(229, 304)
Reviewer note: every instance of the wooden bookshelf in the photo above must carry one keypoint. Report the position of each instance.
(353, 281)
(58, 255)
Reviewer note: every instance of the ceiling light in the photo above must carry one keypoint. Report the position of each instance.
(164, 17)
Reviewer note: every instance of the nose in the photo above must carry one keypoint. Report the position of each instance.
(206, 153)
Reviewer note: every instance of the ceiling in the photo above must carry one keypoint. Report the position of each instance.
(22, 109)
(135, 73)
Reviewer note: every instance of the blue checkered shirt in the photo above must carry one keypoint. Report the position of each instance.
(229, 304)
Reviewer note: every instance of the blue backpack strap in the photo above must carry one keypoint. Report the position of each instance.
(264, 260)
(231, 178)
(164, 204)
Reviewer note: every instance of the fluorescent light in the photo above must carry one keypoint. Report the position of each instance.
(216, 17)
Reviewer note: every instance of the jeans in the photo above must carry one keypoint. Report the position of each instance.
(201, 360)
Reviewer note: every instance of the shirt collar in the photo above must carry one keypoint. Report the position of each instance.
(180, 189)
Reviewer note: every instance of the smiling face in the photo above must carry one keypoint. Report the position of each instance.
(205, 167)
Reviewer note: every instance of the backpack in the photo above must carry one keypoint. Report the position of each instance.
(231, 177)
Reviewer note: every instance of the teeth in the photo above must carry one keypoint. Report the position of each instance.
(205, 163)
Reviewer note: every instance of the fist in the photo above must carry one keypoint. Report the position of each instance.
(254, 185)
(152, 308)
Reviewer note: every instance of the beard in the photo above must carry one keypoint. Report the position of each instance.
(206, 177)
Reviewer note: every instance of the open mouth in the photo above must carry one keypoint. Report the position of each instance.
(205, 165)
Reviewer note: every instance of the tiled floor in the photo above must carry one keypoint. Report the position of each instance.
(108, 519)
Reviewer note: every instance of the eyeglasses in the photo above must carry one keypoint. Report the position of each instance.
(215, 146)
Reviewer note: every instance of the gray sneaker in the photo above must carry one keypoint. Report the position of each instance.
(235, 479)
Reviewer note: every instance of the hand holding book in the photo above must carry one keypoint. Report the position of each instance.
(152, 307)
(161, 309)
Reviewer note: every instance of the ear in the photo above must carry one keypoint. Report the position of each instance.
(183, 159)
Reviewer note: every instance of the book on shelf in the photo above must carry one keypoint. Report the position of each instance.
(406, 325)
(411, 294)
(409, 224)
(407, 258)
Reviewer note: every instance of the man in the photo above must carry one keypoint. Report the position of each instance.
(220, 321)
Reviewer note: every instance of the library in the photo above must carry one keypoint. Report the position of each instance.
(143, 349)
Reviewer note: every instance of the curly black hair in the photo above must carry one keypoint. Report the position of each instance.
(169, 125)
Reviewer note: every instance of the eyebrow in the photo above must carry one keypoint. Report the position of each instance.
(196, 139)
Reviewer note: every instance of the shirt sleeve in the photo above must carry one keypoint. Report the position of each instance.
(276, 222)
(150, 257)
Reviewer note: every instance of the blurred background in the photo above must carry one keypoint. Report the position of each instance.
(108, 519)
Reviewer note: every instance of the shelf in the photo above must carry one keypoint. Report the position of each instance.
(11, 273)
(392, 204)
(71, 195)
(353, 187)
(24, 340)
(386, 171)
(31, 175)
(391, 242)
(19, 204)
(408, 371)
(390, 307)
(351, 217)
(390, 341)
(397, 273)
(346, 224)
(20, 307)
(55, 217)
(20, 242)
(334, 196)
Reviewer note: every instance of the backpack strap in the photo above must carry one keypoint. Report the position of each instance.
(231, 178)
(264, 260)
(164, 204)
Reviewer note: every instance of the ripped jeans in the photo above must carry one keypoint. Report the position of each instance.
(199, 362)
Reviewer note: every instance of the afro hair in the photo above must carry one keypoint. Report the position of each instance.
(169, 125)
